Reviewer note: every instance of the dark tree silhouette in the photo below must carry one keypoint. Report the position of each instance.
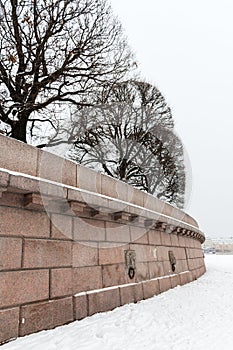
(131, 138)
(55, 53)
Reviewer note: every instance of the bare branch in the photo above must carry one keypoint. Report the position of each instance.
(56, 51)
(131, 138)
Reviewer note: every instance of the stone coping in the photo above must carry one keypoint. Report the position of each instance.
(131, 284)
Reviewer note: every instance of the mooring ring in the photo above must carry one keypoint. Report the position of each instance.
(131, 273)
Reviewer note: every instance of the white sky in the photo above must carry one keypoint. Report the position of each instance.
(185, 48)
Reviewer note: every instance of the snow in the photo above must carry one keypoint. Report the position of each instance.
(198, 315)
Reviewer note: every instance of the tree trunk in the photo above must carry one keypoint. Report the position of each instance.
(19, 130)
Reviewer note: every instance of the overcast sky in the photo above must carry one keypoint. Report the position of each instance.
(185, 48)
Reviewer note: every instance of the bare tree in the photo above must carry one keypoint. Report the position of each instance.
(132, 138)
(55, 53)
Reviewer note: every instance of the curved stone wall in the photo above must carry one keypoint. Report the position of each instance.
(74, 242)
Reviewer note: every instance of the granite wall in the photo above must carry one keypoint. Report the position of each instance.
(74, 242)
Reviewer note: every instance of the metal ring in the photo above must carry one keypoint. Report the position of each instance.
(131, 273)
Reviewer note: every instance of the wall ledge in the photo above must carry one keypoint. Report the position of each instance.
(41, 193)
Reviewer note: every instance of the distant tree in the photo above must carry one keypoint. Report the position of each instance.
(131, 138)
(55, 53)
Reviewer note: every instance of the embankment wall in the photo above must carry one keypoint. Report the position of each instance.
(74, 242)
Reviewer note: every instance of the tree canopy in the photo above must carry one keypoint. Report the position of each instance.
(55, 53)
(131, 138)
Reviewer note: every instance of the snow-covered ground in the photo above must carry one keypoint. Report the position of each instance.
(196, 316)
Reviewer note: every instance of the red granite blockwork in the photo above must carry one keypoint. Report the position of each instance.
(52, 167)
(186, 277)
(9, 324)
(117, 233)
(80, 306)
(103, 301)
(45, 315)
(164, 284)
(20, 287)
(139, 235)
(89, 230)
(10, 253)
(4, 178)
(154, 237)
(156, 269)
(142, 272)
(25, 184)
(46, 253)
(61, 226)
(131, 293)
(175, 281)
(114, 275)
(127, 295)
(174, 240)
(90, 181)
(17, 156)
(112, 253)
(87, 278)
(24, 223)
(61, 282)
(66, 233)
(150, 288)
(166, 239)
(143, 252)
(84, 255)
